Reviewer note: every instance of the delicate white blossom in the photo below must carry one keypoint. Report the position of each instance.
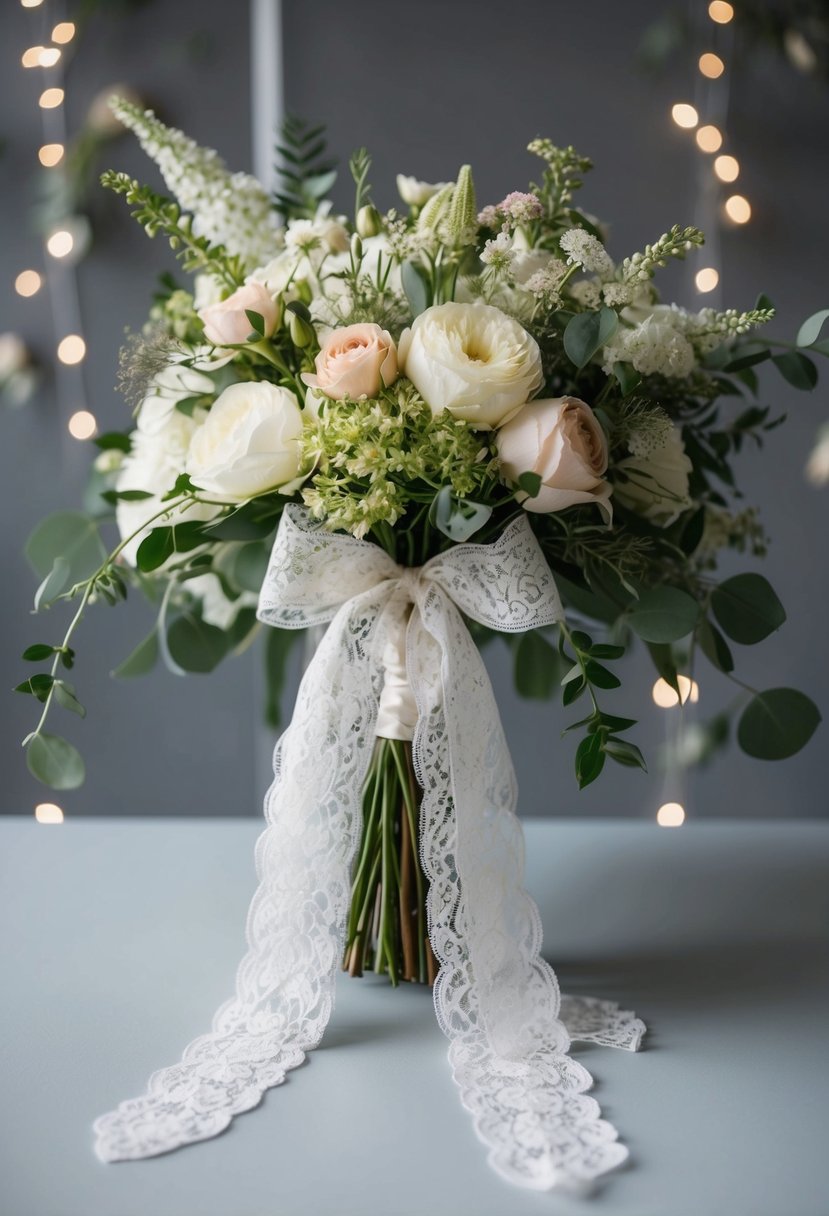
(588, 251)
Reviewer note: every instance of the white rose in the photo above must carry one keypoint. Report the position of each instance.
(472, 360)
(157, 459)
(415, 192)
(560, 440)
(656, 485)
(248, 443)
(174, 383)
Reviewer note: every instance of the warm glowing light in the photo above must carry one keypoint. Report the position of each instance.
(720, 12)
(71, 349)
(670, 815)
(31, 3)
(60, 243)
(707, 278)
(28, 283)
(684, 115)
(711, 65)
(50, 155)
(31, 57)
(48, 812)
(738, 209)
(665, 696)
(727, 168)
(48, 57)
(709, 139)
(50, 98)
(63, 32)
(82, 425)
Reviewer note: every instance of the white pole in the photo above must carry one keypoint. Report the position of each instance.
(266, 83)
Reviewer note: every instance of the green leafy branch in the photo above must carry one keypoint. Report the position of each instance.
(156, 214)
(304, 173)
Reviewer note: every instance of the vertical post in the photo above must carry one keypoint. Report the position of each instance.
(266, 81)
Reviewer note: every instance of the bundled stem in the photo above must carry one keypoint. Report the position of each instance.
(387, 926)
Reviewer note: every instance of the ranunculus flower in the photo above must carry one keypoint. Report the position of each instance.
(248, 444)
(656, 485)
(354, 361)
(560, 440)
(415, 192)
(226, 323)
(473, 360)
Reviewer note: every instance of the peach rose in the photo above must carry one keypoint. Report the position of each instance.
(355, 361)
(560, 440)
(226, 323)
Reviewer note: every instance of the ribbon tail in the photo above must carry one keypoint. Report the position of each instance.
(496, 999)
(296, 924)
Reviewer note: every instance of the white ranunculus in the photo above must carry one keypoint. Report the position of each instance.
(248, 444)
(157, 459)
(655, 485)
(415, 192)
(473, 360)
(175, 383)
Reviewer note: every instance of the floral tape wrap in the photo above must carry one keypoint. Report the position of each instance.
(496, 999)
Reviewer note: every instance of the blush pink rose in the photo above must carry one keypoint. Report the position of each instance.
(226, 323)
(560, 440)
(355, 361)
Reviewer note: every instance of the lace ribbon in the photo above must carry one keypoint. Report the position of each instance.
(496, 999)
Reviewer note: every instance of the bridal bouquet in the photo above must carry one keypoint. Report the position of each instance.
(424, 426)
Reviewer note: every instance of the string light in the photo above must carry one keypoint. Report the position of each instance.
(738, 209)
(48, 812)
(50, 155)
(720, 12)
(63, 32)
(727, 168)
(48, 57)
(671, 815)
(709, 139)
(28, 283)
(706, 279)
(684, 115)
(50, 98)
(711, 65)
(71, 349)
(60, 243)
(31, 3)
(665, 696)
(31, 57)
(82, 425)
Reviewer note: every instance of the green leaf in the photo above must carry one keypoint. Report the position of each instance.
(624, 752)
(257, 322)
(714, 646)
(194, 645)
(663, 660)
(69, 535)
(537, 666)
(777, 724)
(797, 369)
(415, 287)
(613, 723)
(113, 441)
(747, 608)
(589, 760)
(587, 333)
(664, 614)
(54, 583)
(628, 377)
(249, 565)
(55, 762)
(457, 518)
(39, 652)
(530, 483)
(141, 660)
(600, 677)
(573, 690)
(37, 686)
(809, 331)
(278, 645)
(159, 545)
(603, 650)
(747, 356)
(64, 694)
(115, 496)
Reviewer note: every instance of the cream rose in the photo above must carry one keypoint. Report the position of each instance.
(354, 361)
(473, 360)
(415, 192)
(226, 323)
(560, 440)
(656, 485)
(248, 444)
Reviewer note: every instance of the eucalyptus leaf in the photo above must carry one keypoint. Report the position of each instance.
(141, 660)
(248, 566)
(777, 724)
(664, 614)
(530, 483)
(797, 369)
(747, 608)
(415, 288)
(537, 666)
(587, 333)
(69, 535)
(64, 694)
(458, 518)
(55, 582)
(810, 330)
(624, 752)
(194, 645)
(627, 376)
(714, 646)
(38, 652)
(55, 762)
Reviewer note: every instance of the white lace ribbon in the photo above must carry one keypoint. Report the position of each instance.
(495, 997)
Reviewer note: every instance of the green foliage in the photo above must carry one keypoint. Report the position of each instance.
(797, 369)
(811, 328)
(777, 724)
(664, 614)
(55, 762)
(142, 659)
(587, 333)
(69, 536)
(457, 517)
(537, 666)
(305, 174)
(278, 646)
(195, 646)
(747, 608)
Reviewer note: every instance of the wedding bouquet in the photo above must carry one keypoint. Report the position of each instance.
(425, 426)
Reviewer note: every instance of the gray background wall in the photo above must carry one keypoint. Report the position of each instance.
(423, 86)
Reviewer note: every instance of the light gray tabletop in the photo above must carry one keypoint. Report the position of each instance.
(120, 938)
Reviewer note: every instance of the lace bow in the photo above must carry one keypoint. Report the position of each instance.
(496, 999)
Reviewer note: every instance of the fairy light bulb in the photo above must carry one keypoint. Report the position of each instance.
(671, 815)
(720, 12)
(48, 812)
(30, 3)
(738, 209)
(63, 32)
(684, 115)
(706, 279)
(82, 425)
(50, 98)
(71, 349)
(665, 696)
(711, 66)
(28, 283)
(709, 139)
(31, 56)
(727, 168)
(48, 57)
(60, 243)
(50, 155)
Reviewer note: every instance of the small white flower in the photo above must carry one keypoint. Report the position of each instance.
(497, 253)
(582, 247)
